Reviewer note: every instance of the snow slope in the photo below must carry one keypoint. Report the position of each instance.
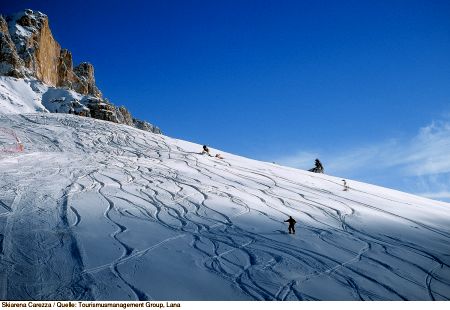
(30, 95)
(19, 96)
(96, 210)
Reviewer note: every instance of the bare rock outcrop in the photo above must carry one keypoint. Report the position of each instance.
(35, 45)
(143, 125)
(124, 116)
(66, 76)
(86, 80)
(10, 62)
(37, 54)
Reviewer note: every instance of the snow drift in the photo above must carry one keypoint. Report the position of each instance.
(96, 210)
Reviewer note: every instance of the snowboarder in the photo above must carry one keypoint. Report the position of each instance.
(205, 151)
(291, 222)
(345, 185)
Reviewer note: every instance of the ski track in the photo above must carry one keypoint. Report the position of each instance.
(141, 177)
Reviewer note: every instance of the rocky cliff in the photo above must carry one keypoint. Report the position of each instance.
(26, 39)
(10, 62)
(28, 50)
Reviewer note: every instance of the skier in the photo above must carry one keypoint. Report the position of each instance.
(291, 222)
(345, 185)
(205, 151)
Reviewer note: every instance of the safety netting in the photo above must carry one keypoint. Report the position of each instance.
(10, 141)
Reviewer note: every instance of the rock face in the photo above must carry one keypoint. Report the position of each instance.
(28, 50)
(10, 62)
(86, 82)
(35, 45)
(66, 76)
(146, 126)
(42, 57)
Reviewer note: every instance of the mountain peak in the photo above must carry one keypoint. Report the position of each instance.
(29, 50)
(42, 56)
(29, 18)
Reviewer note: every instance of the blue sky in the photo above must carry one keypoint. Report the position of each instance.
(363, 85)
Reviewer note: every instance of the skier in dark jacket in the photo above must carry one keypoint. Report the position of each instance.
(205, 150)
(291, 222)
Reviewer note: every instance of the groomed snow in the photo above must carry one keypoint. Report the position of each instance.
(96, 210)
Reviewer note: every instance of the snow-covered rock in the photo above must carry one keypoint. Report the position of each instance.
(35, 45)
(21, 95)
(31, 95)
(28, 50)
(10, 62)
(96, 210)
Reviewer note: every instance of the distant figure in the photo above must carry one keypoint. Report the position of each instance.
(219, 156)
(345, 185)
(318, 167)
(291, 222)
(205, 150)
(19, 145)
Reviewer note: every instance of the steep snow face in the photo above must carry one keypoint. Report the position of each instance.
(21, 96)
(29, 95)
(96, 210)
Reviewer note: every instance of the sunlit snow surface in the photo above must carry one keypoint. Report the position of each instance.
(95, 210)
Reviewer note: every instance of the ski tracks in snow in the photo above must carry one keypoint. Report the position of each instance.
(136, 195)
